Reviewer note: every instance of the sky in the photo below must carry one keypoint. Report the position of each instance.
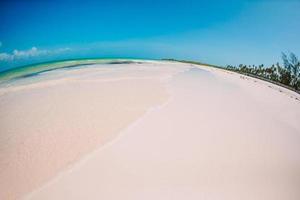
(216, 32)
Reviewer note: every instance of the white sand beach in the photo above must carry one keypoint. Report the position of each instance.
(150, 130)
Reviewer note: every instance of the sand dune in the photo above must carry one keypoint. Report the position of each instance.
(149, 131)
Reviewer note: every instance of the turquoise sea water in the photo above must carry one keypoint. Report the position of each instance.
(32, 70)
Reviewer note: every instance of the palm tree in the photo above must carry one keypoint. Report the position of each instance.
(292, 65)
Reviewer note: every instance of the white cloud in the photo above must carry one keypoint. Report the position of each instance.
(28, 53)
(4, 56)
(33, 52)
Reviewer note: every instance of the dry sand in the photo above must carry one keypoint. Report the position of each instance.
(208, 134)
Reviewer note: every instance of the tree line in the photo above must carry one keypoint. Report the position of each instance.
(288, 74)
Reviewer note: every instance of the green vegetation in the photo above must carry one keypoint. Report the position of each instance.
(287, 75)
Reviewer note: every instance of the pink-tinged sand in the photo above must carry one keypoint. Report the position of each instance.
(49, 123)
(211, 135)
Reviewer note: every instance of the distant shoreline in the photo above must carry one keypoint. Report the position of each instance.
(245, 74)
(37, 68)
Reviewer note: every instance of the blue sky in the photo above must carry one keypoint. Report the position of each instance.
(217, 32)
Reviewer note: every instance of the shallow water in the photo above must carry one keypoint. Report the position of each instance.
(35, 70)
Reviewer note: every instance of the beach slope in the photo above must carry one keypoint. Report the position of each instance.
(153, 130)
